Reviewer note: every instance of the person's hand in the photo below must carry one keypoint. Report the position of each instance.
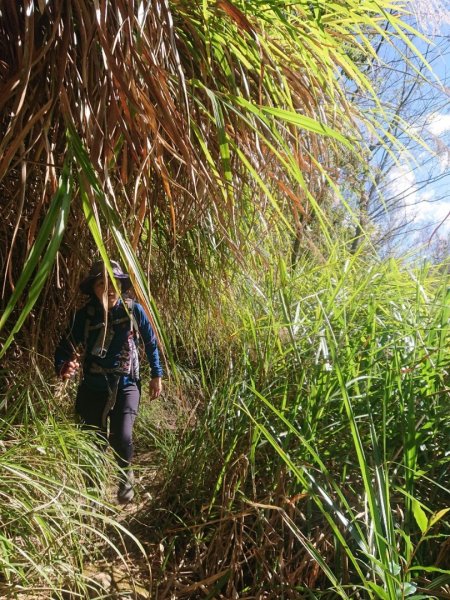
(69, 369)
(155, 387)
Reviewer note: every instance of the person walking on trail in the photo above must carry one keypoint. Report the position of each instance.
(102, 339)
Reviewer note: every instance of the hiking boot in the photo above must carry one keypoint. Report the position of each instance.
(125, 493)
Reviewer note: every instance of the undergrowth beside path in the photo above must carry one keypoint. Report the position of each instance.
(319, 461)
(302, 453)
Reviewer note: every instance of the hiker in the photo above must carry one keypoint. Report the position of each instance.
(102, 339)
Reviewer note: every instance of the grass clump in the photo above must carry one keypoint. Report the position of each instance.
(319, 461)
(56, 520)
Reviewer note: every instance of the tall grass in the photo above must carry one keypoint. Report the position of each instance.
(55, 515)
(323, 444)
(310, 458)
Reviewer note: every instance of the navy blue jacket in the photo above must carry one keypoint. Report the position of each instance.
(112, 350)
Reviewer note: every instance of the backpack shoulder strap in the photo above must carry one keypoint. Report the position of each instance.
(133, 323)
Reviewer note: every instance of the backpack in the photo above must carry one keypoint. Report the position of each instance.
(104, 339)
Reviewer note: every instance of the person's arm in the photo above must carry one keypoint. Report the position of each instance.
(67, 351)
(151, 349)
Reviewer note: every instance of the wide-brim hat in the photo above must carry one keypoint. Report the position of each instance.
(98, 270)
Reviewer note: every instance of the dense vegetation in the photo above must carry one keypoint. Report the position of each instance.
(300, 449)
(324, 446)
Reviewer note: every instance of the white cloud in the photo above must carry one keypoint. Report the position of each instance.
(428, 215)
(438, 123)
(402, 181)
(435, 211)
(419, 205)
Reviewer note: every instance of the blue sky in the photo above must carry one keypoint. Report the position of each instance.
(421, 180)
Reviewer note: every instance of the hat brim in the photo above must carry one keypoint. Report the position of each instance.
(86, 284)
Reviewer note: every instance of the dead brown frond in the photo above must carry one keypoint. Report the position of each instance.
(156, 92)
(244, 548)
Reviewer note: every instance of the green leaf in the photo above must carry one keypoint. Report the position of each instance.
(307, 123)
(42, 255)
(430, 569)
(408, 589)
(224, 147)
(394, 568)
(381, 593)
(438, 516)
(409, 549)
(420, 516)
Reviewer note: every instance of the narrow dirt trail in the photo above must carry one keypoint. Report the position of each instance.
(129, 576)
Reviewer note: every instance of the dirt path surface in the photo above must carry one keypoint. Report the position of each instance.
(129, 576)
(133, 575)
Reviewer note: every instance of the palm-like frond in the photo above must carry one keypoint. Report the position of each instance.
(189, 111)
